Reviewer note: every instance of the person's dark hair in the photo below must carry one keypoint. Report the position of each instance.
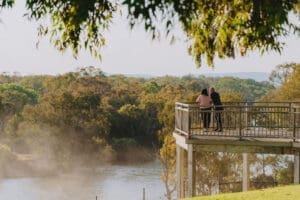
(204, 92)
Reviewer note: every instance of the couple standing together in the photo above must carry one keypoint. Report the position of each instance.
(206, 102)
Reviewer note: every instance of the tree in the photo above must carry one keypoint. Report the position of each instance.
(168, 160)
(288, 75)
(13, 98)
(281, 73)
(224, 27)
(213, 28)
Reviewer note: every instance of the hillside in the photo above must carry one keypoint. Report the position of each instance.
(291, 192)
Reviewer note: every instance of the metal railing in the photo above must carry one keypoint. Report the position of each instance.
(241, 119)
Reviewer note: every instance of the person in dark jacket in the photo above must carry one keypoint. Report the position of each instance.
(215, 97)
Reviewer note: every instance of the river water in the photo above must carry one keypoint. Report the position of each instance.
(117, 182)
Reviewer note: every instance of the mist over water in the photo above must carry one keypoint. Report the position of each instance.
(106, 182)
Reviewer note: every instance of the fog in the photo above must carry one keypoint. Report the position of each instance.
(105, 182)
(37, 164)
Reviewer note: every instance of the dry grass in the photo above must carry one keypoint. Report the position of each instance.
(291, 192)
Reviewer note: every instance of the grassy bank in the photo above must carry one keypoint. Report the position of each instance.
(291, 192)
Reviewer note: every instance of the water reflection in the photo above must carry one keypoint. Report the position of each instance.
(108, 183)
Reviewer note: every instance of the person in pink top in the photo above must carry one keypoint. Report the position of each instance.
(205, 104)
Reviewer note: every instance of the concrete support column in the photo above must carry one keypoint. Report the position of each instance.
(245, 172)
(178, 171)
(190, 171)
(296, 168)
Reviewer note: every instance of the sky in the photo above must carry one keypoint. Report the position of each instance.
(126, 52)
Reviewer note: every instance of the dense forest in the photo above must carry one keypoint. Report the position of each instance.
(88, 115)
(88, 118)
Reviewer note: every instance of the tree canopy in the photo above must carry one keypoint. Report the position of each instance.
(213, 28)
(287, 78)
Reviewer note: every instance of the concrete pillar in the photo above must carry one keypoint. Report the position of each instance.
(190, 171)
(296, 167)
(245, 172)
(178, 170)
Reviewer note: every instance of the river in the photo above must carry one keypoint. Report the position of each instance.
(117, 182)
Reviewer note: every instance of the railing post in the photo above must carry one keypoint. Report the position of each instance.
(181, 119)
(188, 121)
(291, 120)
(213, 118)
(176, 117)
(246, 115)
(240, 122)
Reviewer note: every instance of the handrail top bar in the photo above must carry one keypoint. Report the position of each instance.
(275, 102)
(193, 106)
(229, 104)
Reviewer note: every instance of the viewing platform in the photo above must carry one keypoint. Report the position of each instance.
(247, 127)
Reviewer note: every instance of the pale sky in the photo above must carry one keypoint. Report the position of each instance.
(126, 52)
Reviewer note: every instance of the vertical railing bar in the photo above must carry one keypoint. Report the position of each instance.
(262, 126)
(240, 122)
(270, 132)
(180, 118)
(255, 123)
(277, 117)
(236, 119)
(176, 116)
(291, 117)
(268, 128)
(282, 120)
(267, 122)
(233, 129)
(297, 121)
(188, 122)
(246, 115)
(284, 124)
(196, 117)
(277, 121)
(294, 124)
(273, 130)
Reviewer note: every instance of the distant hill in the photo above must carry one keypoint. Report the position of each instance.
(146, 76)
(258, 76)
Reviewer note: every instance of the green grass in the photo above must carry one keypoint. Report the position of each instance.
(291, 192)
